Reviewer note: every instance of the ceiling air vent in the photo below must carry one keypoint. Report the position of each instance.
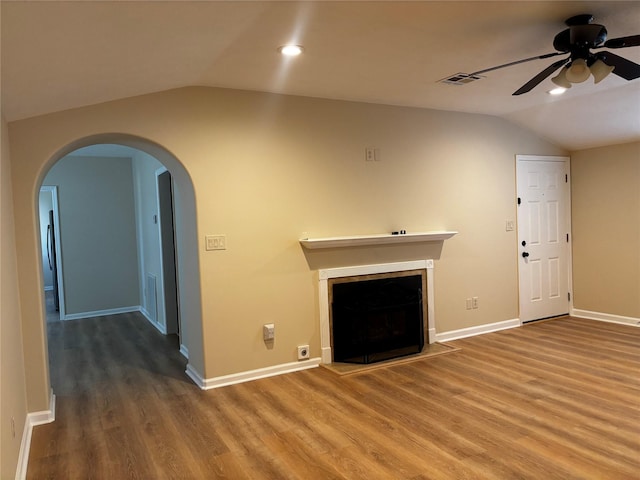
(460, 79)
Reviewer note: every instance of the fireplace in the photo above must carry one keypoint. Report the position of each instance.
(377, 317)
(328, 277)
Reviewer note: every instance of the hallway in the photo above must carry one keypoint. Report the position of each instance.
(52, 314)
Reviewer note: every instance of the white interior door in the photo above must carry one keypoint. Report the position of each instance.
(543, 236)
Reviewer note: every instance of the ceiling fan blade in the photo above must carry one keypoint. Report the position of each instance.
(540, 77)
(622, 67)
(623, 42)
(539, 57)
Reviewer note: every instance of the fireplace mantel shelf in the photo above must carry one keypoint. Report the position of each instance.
(377, 239)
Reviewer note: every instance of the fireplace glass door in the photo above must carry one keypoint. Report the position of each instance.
(378, 319)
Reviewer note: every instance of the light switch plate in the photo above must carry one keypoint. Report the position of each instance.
(268, 331)
(216, 242)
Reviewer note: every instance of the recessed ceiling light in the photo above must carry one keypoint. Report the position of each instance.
(557, 91)
(291, 50)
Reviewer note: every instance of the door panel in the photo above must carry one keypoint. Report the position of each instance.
(535, 280)
(167, 238)
(543, 228)
(53, 261)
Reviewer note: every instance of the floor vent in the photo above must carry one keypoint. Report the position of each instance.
(460, 79)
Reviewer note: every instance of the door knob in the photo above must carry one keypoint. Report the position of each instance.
(524, 244)
(525, 254)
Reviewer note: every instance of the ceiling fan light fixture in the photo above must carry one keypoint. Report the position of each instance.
(600, 70)
(561, 79)
(557, 91)
(578, 72)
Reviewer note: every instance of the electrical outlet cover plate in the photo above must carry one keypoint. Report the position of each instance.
(303, 352)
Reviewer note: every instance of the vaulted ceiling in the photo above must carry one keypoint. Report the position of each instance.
(60, 55)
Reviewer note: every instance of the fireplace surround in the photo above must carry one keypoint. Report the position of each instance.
(325, 276)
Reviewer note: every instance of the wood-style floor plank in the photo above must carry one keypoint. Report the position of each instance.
(557, 399)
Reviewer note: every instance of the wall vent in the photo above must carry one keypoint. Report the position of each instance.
(152, 297)
(460, 79)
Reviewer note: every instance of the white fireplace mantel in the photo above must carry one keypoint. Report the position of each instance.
(376, 239)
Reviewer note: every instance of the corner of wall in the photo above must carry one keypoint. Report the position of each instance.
(33, 420)
(13, 390)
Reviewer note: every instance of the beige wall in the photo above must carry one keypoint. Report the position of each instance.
(266, 168)
(605, 202)
(13, 394)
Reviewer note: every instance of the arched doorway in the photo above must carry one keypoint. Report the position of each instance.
(187, 281)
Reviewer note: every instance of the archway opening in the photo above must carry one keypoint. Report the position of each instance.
(143, 159)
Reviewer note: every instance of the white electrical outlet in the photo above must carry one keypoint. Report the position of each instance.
(369, 154)
(303, 352)
(474, 302)
(372, 154)
(510, 226)
(469, 304)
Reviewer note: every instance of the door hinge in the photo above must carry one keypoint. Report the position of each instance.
(566, 178)
(519, 200)
(567, 238)
(569, 296)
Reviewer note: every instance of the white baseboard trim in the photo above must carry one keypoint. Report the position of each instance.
(326, 355)
(158, 325)
(234, 378)
(432, 335)
(605, 317)
(184, 351)
(145, 314)
(33, 419)
(101, 313)
(479, 330)
(194, 375)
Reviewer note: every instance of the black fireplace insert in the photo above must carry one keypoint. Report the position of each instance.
(378, 319)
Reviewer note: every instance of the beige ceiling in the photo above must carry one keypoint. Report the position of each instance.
(61, 55)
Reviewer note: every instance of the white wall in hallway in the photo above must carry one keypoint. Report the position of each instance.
(149, 248)
(97, 233)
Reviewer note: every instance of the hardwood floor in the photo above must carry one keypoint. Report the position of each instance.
(552, 400)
